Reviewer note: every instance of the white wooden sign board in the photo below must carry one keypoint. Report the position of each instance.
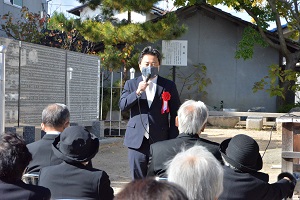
(174, 52)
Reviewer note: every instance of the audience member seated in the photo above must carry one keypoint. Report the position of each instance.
(14, 157)
(191, 121)
(198, 172)
(55, 118)
(151, 189)
(73, 178)
(242, 179)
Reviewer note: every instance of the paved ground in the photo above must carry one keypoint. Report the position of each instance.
(112, 156)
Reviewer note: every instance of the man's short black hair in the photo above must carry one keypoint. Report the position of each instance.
(14, 156)
(150, 51)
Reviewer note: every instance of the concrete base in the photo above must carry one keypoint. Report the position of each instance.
(279, 127)
(223, 121)
(97, 128)
(114, 115)
(254, 122)
(29, 134)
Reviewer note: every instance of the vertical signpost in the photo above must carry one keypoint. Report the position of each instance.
(174, 54)
(69, 77)
(2, 88)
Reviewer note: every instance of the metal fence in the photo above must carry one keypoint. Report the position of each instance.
(110, 91)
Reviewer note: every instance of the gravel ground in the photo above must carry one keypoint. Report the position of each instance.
(112, 156)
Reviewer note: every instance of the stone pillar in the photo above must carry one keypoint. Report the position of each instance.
(29, 134)
(254, 122)
(10, 129)
(96, 129)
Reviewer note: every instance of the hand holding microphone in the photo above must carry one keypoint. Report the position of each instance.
(143, 85)
(148, 77)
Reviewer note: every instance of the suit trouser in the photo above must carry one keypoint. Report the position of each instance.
(138, 160)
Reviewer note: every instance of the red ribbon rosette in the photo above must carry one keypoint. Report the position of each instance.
(166, 96)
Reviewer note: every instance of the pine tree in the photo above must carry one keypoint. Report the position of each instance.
(120, 39)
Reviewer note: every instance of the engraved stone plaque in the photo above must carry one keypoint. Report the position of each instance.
(38, 75)
(83, 102)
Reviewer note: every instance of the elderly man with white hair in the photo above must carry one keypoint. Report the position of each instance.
(198, 172)
(191, 121)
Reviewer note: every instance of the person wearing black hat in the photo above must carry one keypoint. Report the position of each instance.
(242, 179)
(73, 178)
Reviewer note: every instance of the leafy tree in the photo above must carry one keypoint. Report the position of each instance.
(55, 32)
(120, 39)
(62, 33)
(28, 28)
(195, 78)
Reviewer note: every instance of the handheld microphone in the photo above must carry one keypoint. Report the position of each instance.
(148, 77)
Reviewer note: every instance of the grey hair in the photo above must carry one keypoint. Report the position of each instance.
(198, 172)
(192, 116)
(229, 165)
(55, 115)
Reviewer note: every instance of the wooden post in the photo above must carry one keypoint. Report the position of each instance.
(290, 146)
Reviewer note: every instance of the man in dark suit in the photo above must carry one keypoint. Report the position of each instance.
(191, 121)
(55, 118)
(153, 102)
(73, 178)
(242, 179)
(14, 157)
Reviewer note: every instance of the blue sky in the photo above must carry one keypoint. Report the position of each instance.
(61, 5)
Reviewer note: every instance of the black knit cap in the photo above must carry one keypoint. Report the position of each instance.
(242, 152)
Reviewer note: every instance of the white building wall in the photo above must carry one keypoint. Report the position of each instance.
(213, 40)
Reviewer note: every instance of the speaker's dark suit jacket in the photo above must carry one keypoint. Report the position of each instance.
(42, 154)
(76, 181)
(22, 191)
(161, 152)
(161, 126)
(249, 186)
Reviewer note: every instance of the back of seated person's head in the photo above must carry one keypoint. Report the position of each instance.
(56, 115)
(192, 117)
(14, 156)
(198, 172)
(151, 189)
